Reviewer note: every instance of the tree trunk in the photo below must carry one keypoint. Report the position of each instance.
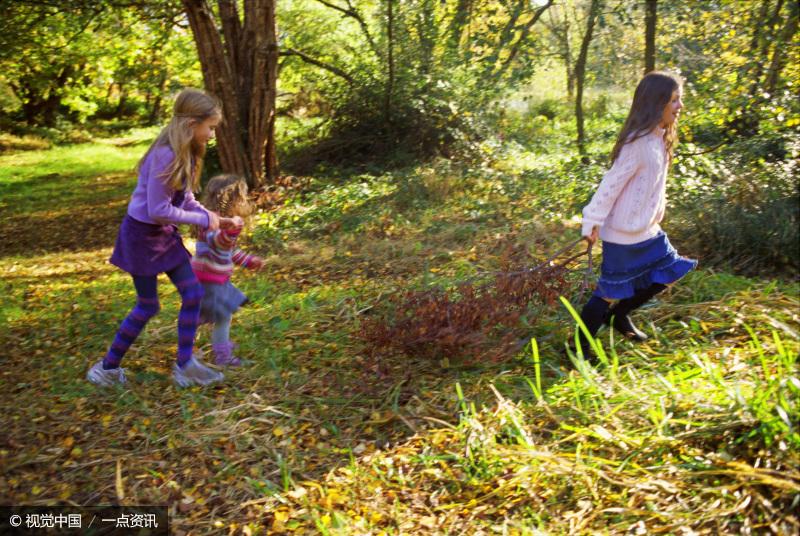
(560, 29)
(567, 56)
(759, 20)
(158, 98)
(651, 14)
(264, 88)
(779, 52)
(40, 107)
(390, 62)
(427, 30)
(580, 75)
(457, 23)
(765, 37)
(523, 35)
(747, 123)
(510, 28)
(242, 73)
(123, 97)
(109, 91)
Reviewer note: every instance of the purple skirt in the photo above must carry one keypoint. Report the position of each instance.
(148, 249)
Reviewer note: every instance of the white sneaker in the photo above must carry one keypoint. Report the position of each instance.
(195, 373)
(105, 377)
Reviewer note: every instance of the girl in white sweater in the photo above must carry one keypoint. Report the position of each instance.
(626, 209)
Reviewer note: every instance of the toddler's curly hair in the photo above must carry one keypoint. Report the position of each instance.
(227, 196)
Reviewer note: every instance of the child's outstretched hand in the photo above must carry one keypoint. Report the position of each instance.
(256, 263)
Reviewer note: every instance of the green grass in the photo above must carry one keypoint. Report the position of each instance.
(68, 176)
(65, 198)
(679, 439)
(696, 428)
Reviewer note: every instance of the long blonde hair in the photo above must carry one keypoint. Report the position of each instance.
(652, 95)
(227, 196)
(192, 106)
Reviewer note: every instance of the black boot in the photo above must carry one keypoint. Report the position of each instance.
(593, 315)
(618, 315)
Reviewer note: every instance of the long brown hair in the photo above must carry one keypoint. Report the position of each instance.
(652, 95)
(192, 106)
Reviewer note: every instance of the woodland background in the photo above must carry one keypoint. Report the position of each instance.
(395, 146)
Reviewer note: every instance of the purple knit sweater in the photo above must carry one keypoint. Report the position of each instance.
(151, 201)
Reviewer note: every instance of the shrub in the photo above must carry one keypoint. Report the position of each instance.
(741, 208)
(549, 108)
(10, 142)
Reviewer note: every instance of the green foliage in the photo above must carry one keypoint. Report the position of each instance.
(324, 207)
(726, 50)
(420, 92)
(82, 60)
(741, 208)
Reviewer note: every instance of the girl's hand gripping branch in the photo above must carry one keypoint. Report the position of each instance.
(592, 238)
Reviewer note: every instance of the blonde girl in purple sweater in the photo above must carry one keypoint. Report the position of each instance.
(149, 243)
(625, 212)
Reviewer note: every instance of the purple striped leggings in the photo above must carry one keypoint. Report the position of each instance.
(147, 307)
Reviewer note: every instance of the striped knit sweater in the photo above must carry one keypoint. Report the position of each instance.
(630, 201)
(215, 255)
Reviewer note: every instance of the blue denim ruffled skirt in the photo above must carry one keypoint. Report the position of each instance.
(627, 268)
(220, 302)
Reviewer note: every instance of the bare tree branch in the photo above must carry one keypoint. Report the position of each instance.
(352, 12)
(523, 36)
(319, 63)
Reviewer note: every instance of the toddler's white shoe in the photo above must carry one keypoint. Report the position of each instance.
(105, 377)
(195, 373)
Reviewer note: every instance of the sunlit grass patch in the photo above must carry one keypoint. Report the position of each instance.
(65, 198)
(79, 161)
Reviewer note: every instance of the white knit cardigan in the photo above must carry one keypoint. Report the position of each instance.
(629, 203)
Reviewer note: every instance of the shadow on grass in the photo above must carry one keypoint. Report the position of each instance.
(52, 213)
(84, 228)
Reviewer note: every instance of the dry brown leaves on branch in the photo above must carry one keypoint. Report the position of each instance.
(272, 195)
(471, 321)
